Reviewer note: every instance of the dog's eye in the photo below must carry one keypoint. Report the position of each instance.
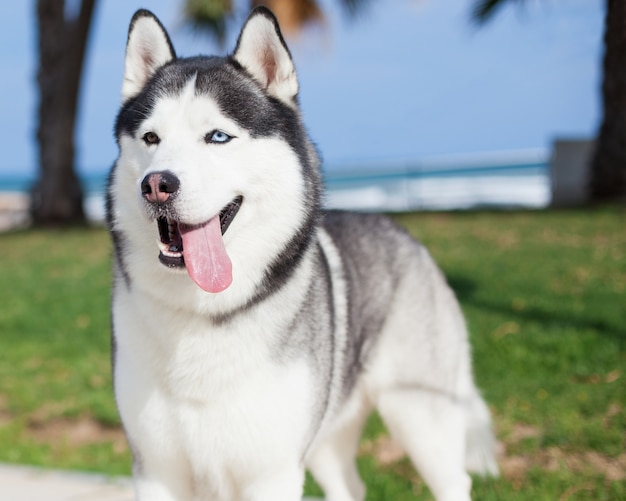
(151, 138)
(217, 136)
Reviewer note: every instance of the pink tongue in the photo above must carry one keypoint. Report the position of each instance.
(205, 257)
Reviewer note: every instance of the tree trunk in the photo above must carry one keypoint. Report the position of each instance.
(608, 167)
(57, 197)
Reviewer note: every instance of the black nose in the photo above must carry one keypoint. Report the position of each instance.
(158, 186)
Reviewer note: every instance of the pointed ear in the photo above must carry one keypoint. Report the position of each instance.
(262, 51)
(148, 48)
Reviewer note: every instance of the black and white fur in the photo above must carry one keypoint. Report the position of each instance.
(230, 395)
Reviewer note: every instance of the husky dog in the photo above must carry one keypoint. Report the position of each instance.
(253, 332)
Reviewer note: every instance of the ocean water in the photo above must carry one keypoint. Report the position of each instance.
(443, 187)
(94, 182)
(436, 185)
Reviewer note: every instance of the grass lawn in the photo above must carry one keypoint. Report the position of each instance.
(544, 294)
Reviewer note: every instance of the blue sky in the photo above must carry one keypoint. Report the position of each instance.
(408, 80)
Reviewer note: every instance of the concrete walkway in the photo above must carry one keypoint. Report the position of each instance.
(24, 483)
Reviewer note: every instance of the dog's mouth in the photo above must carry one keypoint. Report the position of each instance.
(199, 248)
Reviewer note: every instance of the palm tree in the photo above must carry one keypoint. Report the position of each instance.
(608, 165)
(213, 15)
(57, 196)
(608, 168)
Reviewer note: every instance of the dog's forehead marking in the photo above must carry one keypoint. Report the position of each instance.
(191, 108)
(187, 111)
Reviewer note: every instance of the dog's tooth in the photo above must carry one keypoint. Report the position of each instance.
(169, 253)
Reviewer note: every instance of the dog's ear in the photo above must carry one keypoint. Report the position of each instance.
(148, 48)
(262, 51)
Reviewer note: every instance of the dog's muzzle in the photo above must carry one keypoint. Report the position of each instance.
(159, 190)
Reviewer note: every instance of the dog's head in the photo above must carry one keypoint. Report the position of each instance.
(214, 161)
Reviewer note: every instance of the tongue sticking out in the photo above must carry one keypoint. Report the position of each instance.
(205, 257)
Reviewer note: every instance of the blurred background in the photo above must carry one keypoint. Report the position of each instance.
(414, 104)
(494, 130)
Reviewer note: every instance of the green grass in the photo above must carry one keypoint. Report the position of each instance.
(544, 294)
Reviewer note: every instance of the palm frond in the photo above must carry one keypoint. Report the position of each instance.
(209, 15)
(354, 7)
(293, 15)
(484, 11)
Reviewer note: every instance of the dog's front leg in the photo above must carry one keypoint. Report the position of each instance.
(162, 487)
(285, 485)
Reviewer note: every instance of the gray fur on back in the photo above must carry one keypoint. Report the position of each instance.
(375, 253)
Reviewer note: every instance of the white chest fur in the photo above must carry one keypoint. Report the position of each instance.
(216, 398)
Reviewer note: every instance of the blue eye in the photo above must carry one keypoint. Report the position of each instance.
(217, 136)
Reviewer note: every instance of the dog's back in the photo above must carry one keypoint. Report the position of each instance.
(407, 355)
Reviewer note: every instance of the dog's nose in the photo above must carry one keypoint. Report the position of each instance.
(158, 186)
